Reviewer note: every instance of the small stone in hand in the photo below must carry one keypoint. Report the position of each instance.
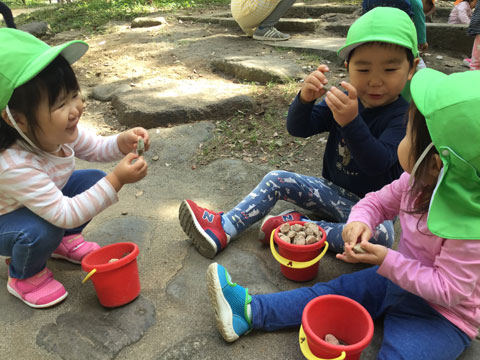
(140, 147)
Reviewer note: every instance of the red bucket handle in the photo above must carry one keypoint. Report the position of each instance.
(302, 339)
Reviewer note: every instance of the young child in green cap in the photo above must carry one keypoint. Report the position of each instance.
(44, 202)
(365, 122)
(427, 291)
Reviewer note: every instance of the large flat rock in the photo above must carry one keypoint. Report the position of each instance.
(324, 47)
(163, 102)
(260, 69)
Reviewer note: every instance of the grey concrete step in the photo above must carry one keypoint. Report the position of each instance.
(285, 24)
(439, 35)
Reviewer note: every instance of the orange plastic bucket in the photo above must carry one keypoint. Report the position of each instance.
(298, 262)
(114, 273)
(340, 316)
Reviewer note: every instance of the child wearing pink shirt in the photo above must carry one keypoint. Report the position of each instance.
(428, 290)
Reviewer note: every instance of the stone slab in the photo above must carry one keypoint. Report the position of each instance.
(163, 102)
(260, 69)
(324, 47)
(285, 24)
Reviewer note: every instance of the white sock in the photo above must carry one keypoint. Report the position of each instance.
(228, 227)
(249, 312)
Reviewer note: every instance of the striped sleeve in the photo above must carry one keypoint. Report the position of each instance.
(34, 189)
(91, 147)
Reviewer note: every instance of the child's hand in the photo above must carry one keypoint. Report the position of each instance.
(344, 107)
(356, 231)
(313, 86)
(375, 254)
(127, 140)
(423, 47)
(127, 172)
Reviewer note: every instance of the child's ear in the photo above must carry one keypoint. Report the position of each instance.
(19, 119)
(435, 165)
(412, 70)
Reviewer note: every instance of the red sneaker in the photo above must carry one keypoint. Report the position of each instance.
(204, 228)
(270, 223)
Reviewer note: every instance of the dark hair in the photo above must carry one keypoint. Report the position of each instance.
(420, 139)
(56, 78)
(409, 53)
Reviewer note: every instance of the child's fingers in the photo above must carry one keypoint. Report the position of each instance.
(334, 100)
(316, 79)
(352, 92)
(130, 157)
(323, 68)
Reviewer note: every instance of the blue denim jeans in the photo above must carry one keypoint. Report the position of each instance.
(311, 193)
(412, 328)
(29, 239)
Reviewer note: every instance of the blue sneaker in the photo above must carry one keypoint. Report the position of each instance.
(230, 302)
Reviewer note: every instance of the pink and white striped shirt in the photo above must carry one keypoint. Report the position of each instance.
(35, 180)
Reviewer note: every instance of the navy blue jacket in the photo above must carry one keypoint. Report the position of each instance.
(362, 156)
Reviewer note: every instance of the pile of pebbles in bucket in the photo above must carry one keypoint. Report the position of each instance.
(298, 234)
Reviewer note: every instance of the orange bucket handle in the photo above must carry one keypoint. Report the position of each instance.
(291, 263)
(302, 339)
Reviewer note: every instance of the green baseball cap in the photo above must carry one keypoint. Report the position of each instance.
(383, 24)
(23, 56)
(451, 107)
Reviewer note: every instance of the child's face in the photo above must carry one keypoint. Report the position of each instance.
(379, 73)
(58, 125)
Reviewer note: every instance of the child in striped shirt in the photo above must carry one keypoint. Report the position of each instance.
(44, 202)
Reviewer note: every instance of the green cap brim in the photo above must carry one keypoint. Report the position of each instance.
(71, 51)
(423, 81)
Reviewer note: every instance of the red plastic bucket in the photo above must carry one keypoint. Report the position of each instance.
(340, 316)
(298, 262)
(115, 281)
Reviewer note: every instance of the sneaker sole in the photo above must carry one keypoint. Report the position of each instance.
(192, 228)
(261, 234)
(54, 302)
(261, 38)
(58, 256)
(223, 312)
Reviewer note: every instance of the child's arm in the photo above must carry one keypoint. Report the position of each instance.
(91, 147)
(451, 278)
(419, 21)
(33, 188)
(376, 155)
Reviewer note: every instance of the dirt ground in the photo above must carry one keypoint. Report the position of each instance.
(183, 50)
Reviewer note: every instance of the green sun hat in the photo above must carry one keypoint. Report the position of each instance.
(23, 56)
(451, 106)
(383, 24)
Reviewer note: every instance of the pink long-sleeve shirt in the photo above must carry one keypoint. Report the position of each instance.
(445, 272)
(35, 181)
(460, 14)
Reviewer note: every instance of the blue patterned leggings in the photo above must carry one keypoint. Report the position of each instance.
(311, 193)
